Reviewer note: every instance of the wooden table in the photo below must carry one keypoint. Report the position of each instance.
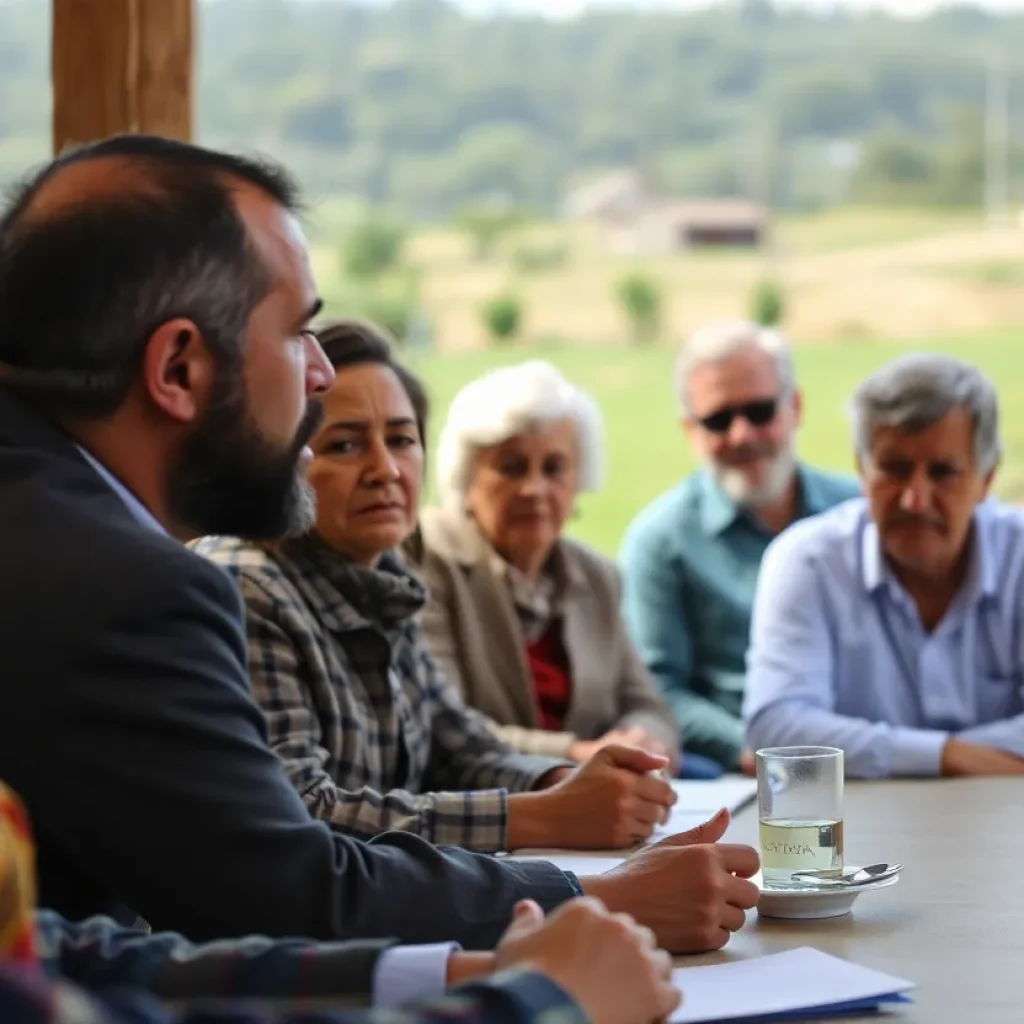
(954, 924)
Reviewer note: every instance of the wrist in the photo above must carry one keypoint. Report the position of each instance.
(463, 967)
(530, 821)
(602, 888)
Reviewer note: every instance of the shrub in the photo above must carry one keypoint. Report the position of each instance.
(640, 296)
(767, 303)
(503, 317)
(373, 246)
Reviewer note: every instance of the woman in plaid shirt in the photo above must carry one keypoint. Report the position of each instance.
(370, 733)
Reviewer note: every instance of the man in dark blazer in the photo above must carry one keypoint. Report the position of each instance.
(158, 381)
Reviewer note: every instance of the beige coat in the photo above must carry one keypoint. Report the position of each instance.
(471, 627)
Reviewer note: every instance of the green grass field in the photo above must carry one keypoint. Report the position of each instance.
(646, 452)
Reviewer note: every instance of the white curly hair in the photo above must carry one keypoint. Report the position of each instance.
(510, 401)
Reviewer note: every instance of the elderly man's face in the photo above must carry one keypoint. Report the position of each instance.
(522, 490)
(923, 489)
(744, 427)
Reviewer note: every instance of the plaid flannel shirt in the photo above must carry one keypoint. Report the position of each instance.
(369, 732)
(510, 998)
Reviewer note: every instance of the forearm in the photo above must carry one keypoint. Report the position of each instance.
(100, 952)
(534, 741)
(872, 749)
(475, 820)
(1007, 735)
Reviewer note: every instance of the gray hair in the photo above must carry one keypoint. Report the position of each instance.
(919, 389)
(716, 342)
(507, 402)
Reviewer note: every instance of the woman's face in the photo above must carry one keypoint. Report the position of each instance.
(522, 490)
(367, 464)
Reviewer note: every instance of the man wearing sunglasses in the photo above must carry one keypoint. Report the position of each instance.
(691, 558)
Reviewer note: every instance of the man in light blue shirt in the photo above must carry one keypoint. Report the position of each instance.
(690, 559)
(893, 626)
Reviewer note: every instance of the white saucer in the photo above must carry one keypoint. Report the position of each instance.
(814, 904)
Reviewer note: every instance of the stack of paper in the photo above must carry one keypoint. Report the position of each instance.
(796, 984)
(698, 801)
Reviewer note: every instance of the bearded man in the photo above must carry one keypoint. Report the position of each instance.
(691, 558)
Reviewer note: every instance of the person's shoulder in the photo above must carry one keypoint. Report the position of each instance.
(663, 519)
(1002, 527)
(238, 557)
(829, 488)
(827, 535)
(446, 536)
(585, 561)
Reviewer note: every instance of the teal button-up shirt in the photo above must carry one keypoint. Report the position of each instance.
(690, 562)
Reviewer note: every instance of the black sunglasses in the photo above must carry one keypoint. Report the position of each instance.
(757, 414)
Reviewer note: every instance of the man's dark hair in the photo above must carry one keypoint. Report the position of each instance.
(83, 286)
(356, 342)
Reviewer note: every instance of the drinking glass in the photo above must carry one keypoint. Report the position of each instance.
(800, 811)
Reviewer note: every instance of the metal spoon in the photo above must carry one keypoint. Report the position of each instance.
(856, 876)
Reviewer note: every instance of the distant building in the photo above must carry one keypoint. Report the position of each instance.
(639, 221)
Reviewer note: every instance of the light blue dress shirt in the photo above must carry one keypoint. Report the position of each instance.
(402, 973)
(838, 656)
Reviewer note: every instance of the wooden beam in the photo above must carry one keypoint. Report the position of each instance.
(121, 66)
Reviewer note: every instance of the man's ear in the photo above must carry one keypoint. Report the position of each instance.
(797, 401)
(178, 370)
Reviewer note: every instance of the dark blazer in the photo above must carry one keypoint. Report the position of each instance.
(127, 727)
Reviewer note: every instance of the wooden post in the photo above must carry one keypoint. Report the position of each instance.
(121, 66)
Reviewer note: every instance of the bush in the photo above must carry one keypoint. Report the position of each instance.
(373, 246)
(640, 296)
(767, 304)
(536, 259)
(503, 317)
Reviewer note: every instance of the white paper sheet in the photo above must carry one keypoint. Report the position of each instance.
(578, 863)
(798, 979)
(708, 797)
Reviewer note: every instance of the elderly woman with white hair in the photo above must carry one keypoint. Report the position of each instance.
(523, 620)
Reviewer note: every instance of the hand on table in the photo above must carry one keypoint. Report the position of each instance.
(691, 891)
(612, 801)
(607, 962)
(962, 758)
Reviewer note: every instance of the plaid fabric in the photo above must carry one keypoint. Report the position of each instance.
(511, 998)
(17, 881)
(369, 732)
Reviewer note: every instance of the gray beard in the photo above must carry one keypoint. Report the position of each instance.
(772, 487)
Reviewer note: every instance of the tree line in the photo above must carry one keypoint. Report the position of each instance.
(417, 105)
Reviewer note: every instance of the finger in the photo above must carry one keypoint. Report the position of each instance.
(528, 910)
(641, 810)
(632, 758)
(661, 962)
(655, 789)
(639, 829)
(741, 892)
(649, 941)
(707, 832)
(733, 918)
(669, 997)
(739, 860)
(527, 917)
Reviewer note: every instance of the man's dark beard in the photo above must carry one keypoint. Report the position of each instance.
(230, 481)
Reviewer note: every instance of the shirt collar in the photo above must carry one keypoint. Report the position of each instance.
(719, 511)
(981, 577)
(140, 513)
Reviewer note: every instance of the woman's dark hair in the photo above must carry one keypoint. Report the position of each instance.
(357, 342)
